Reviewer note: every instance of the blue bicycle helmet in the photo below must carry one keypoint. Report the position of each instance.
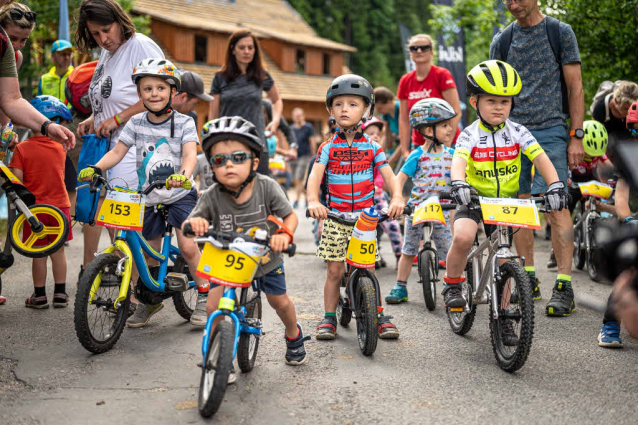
(52, 108)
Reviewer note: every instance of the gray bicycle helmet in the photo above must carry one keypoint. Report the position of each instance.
(429, 112)
(351, 84)
(230, 128)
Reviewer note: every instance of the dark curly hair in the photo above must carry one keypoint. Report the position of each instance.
(103, 12)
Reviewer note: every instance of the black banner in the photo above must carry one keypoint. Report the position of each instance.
(406, 34)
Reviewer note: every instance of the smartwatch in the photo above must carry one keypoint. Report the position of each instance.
(578, 133)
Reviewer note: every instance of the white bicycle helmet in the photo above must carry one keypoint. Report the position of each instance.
(157, 67)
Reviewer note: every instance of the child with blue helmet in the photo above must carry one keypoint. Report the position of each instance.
(39, 163)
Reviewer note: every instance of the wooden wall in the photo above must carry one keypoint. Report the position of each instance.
(180, 42)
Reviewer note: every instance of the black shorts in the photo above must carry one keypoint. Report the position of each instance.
(70, 175)
(463, 211)
(154, 224)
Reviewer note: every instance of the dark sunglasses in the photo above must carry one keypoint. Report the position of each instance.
(423, 47)
(16, 15)
(221, 159)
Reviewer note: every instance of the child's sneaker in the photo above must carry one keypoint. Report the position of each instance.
(143, 314)
(452, 293)
(60, 300)
(36, 302)
(609, 335)
(387, 330)
(327, 328)
(397, 295)
(295, 349)
(199, 316)
(552, 260)
(3, 300)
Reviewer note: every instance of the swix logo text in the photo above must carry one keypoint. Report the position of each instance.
(423, 94)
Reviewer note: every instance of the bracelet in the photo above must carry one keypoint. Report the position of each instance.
(282, 227)
(45, 127)
(118, 121)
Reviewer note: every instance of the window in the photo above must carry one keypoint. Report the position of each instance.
(201, 48)
(301, 61)
(326, 64)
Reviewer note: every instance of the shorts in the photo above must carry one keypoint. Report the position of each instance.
(47, 220)
(272, 283)
(299, 167)
(70, 175)
(463, 211)
(154, 224)
(441, 235)
(554, 142)
(334, 242)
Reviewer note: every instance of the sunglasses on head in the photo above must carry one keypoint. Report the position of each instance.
(221, 159)
(423, 47)
(16, 15)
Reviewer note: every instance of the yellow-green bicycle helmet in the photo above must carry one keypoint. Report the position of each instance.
(595, 140)
(495, 78)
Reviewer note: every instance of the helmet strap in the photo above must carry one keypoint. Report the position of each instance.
(167, 109)
(433, 139)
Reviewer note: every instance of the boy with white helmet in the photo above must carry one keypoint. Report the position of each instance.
(166, 143)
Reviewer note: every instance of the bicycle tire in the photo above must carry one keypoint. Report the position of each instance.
(218, 358)
(103, 263)
(426, 273)
(461, 323)
(367, 320)
(579, 252)
(245, 359)
(344, 313)
(511, 362)
(180, 301)
(20, 221)
(593, 255)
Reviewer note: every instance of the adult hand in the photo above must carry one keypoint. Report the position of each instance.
(14, 142)
(575, 152)
(62, 135)
(556, 197)
(625, 300)
(272, 127)
(292, 154)
(106, 127)
(395, 210)
(86, 127)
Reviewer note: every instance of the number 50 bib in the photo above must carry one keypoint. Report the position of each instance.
(361, 249)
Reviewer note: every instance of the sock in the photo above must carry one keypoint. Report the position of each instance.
(40, 292)
(530, 271)
(298, 333)
(60, 288)
(203, 290)
(328, 314)
(565, 278)
(402, 283)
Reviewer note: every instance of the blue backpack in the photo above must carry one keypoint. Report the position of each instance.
(93, 149)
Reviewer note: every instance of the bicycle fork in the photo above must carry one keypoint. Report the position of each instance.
(124, 269)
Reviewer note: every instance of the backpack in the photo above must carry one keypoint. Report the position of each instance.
(605, 91)
(77, 87)
(93, 149)
(552, 27)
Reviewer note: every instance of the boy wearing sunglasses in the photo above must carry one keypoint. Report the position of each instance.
(240, 200)
(166, 145)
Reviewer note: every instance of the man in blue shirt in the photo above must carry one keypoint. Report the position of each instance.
(306, 147)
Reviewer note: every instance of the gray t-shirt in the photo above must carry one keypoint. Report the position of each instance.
(203, 170)
(223, 213)
(159, 155)
(540, 104)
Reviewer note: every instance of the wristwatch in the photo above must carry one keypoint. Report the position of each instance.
(578, 133)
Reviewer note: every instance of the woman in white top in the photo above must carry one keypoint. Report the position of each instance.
(104, 24)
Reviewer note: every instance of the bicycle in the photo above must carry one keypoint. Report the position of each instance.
(505, 287)
(23, 215)
(360, 296)
(103, 296)
(586, 220)
(230, 259)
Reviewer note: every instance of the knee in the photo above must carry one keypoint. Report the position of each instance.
(279, 302)
(334, 273)
(463, 240)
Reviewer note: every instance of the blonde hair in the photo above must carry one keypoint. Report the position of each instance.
(626, 93)
(5, 16)
(417, 36)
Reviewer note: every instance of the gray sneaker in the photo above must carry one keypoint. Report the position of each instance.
(199, 316)
(143, 314)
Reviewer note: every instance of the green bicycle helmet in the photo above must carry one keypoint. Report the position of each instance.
(595, 140)
(494, 78)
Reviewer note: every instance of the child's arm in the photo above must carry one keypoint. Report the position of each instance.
(401, 179)
(18, 173)
(317, 210)
(189, 161)
(108, 161)
(280, 242)
(458, 169)
(397, 204)
(622, 200)
(460, 191)
(546, 168)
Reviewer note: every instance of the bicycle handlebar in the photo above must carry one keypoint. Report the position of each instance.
(98, 180)
(350, 221)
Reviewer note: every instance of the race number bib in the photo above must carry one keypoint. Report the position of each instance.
(510, 212)
(361, 249)
(277, 163)
(9, 174)
(595, 189)
(429, 211)
(123, 211)
(226, 267)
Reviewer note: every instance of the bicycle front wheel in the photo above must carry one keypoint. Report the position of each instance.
(427, 273)
(55, 230)
(367, 320)
(215, 369)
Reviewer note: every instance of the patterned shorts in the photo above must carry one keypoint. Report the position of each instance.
(334, 241)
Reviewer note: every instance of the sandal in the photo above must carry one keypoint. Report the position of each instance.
(327, 328)
(386, 329)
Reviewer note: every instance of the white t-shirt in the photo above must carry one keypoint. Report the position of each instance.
(113, 91)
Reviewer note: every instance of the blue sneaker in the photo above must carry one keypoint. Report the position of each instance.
(609, 335)
(397, 295)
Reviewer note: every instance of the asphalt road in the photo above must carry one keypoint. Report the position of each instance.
(429, 375)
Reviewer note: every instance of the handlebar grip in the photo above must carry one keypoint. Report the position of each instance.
(407, 210)
(445, 196)
(291, 250)
(308, 213)
(188, 185)
(187, 229)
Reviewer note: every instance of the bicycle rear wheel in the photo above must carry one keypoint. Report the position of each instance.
(427, 273)
(579, 248)
(593, 255)
(517, 318)
(249, 343)
(461, 322)
(54, 232)
(366, 316)
(215, 369)
(184, 302)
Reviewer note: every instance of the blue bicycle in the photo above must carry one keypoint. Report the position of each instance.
(103, 298)
(230, 259)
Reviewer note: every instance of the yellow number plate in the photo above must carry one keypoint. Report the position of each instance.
(429, 211)
(225, 267)
(361, 249)
(124, 211)
(277, 163)
(595, 189)
(9, 174)
(510, 212)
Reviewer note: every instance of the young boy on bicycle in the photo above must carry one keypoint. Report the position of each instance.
(166, 143)
(487, 158)
(429, 167)
(242, 199)
(39, 164)
(347, 159)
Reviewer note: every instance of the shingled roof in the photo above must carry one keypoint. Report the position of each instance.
(266, 18)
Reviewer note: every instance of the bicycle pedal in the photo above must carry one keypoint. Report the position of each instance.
(176, 282)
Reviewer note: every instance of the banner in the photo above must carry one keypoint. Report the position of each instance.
(63, 22)
(452, 57)
(405, 36)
